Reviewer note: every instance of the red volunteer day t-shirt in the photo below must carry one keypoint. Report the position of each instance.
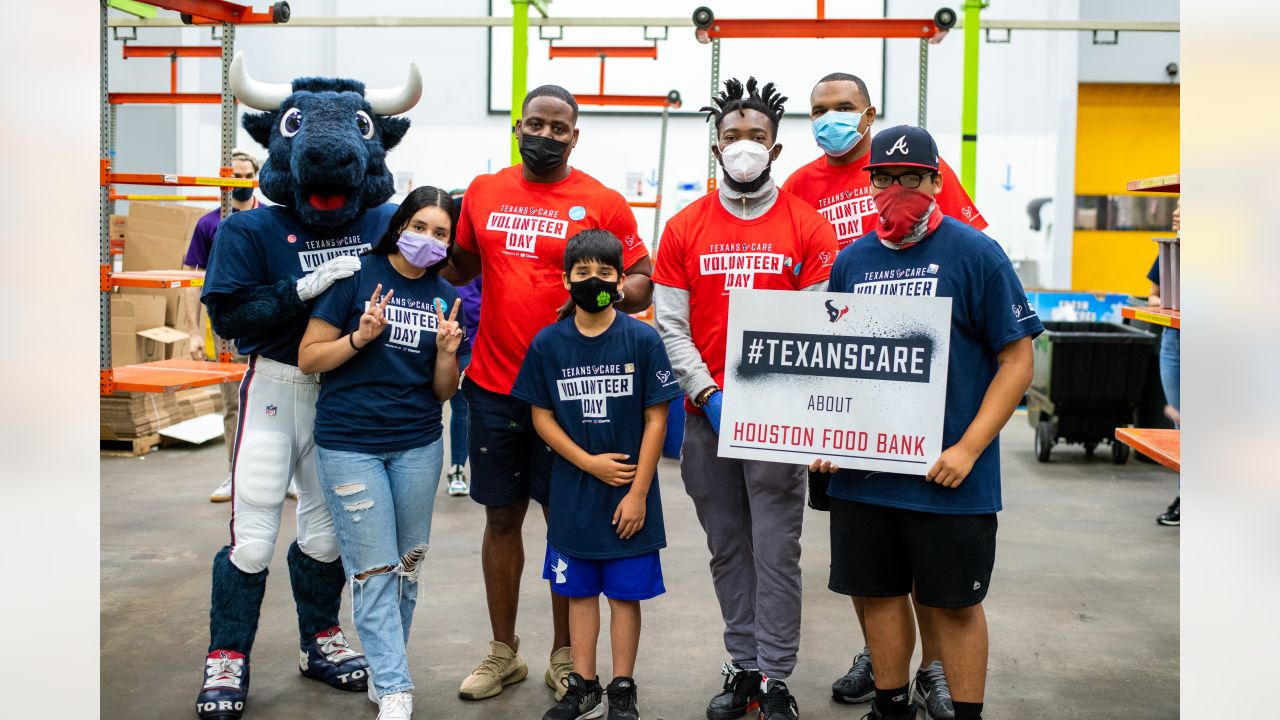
(842, 194)
(708, 251)
(520, 229)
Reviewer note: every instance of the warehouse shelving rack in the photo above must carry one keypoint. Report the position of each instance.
(1163, 446)
(166, 375)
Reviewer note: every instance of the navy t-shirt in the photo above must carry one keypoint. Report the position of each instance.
(268, 244)
(598, 388)
(1154, 273)
(381, 400)
(989, 309)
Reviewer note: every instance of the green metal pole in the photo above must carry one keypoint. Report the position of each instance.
(969, 113)
(519, 66)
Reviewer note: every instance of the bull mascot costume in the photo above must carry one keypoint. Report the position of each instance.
(327, 142)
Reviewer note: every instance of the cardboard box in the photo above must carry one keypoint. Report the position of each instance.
(176, 303)
(161, 343)
(129, 316)
(118, 226)
(157, 235)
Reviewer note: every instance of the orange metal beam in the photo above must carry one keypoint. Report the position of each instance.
(169, 98)
(182, 180)
(602, 51)
(626, 100)
(839, 28)
(168, 51)
(165, 198)
(216, 12)
(642, 204)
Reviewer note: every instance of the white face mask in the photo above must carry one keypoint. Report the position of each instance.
(744, 160)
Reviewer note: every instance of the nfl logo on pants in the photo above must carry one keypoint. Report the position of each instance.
(271, 411)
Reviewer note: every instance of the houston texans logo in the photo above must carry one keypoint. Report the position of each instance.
(834, 313)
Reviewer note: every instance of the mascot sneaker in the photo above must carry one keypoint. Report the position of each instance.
(226, 686)
(395, 706)
(329, 658)
(558, 670)
(502, 667)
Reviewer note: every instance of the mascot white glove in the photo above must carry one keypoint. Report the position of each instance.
(331, 271)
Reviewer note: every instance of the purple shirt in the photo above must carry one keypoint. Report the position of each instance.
(202, 240)
(470, 294)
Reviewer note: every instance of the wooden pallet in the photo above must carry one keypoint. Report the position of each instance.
(128, 446)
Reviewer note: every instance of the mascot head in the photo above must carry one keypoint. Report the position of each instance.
(327, 141)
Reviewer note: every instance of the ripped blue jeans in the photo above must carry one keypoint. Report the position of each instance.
(381, 505)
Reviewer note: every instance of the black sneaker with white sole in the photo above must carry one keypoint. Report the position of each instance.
(622, 699)
(875, 714)
(776, 702)
(1172, 516)
(932, 693)
(583, 700)
(741, 689)
(859, 684)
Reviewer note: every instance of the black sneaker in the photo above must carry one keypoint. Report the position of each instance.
(583, 701)
(932, 693)
(859, 684)
(622, 699)
(1172, 516)
(776, 702)
(875, 714)
(741, 688)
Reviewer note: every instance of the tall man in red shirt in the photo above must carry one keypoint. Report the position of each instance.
(514, 226)
(836, 183)
(749, 234)
(838, 186)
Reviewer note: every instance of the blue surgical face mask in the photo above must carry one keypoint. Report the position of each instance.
(837, 132)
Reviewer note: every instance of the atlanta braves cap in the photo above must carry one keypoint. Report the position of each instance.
(903, 145)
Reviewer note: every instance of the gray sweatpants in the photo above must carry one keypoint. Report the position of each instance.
(751, 511)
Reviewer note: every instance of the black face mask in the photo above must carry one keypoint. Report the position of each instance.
(542, 155)
(593, 294)
(242, 194)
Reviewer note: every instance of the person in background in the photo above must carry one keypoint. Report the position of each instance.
(605, 527)
(514, 227)
(459, 413)
(244, 167)
(838, 186)
(932, 538)
(1170, 369)
(388, 357)
(750, 510)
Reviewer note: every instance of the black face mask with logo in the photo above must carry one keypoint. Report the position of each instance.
(593, 294)
(542, 155)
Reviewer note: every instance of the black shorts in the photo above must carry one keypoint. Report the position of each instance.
(509, 462)
(879, 551)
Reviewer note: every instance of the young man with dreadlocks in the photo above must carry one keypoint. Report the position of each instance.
(838, 186)
(514, 227)
(751, 511)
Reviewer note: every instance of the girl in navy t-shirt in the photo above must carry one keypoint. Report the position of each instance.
(387, 341)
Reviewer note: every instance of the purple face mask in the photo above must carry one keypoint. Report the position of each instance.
(421, 251)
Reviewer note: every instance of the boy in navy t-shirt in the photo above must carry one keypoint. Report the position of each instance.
(599, 383)
(893, 535)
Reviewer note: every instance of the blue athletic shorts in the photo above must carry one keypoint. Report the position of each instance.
(629, 578)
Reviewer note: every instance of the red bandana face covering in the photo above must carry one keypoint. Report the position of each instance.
(907, 216)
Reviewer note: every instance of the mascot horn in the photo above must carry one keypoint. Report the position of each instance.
(327, 142)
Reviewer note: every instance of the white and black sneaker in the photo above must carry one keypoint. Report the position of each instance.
(776, 702)
(932, 694)
(583, 700)
(226, 686)
(458, 481)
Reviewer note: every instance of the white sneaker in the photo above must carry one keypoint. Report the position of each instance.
(222, 493)
(395, 706)
(292, 491)
(458, 481)
(373, 693)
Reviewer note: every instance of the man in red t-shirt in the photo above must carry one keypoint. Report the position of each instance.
(749, 234)
(514, 226)
(836, 184)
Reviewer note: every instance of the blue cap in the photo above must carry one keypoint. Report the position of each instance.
(903, 145)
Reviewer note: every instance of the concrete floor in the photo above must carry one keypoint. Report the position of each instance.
(1083, 607)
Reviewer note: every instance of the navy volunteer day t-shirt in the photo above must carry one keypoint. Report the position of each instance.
(381, 399)
(268, 244)
(598, 388)
(989, 310)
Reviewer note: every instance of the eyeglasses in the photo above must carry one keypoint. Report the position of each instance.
(907, 180)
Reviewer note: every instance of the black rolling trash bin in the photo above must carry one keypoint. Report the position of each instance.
(1088, 381)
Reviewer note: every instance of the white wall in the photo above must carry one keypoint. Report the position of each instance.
(1026, 125)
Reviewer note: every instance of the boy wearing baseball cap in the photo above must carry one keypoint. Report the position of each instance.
(892, 534)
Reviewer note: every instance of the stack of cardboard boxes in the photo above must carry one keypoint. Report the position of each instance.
(148, 324)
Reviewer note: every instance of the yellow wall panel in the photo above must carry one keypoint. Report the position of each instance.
(1123, 132)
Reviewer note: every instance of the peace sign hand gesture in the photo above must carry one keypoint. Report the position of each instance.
(373, 320)
(448, 331)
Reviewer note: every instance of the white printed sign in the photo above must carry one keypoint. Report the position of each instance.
(859, 380)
